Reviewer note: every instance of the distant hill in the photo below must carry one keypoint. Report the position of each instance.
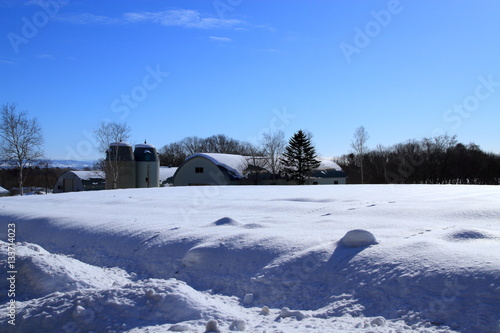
(72, 164)
(62, 164)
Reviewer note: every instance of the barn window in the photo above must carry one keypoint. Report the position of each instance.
(198, 170)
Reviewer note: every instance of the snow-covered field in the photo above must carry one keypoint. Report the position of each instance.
(255, 259)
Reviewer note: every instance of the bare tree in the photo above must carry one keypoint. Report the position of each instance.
(257, 162)
(109, 132)
(274, 144)
(21, 140)
(105, 134)
(173, 154)
(193, 145)
(360, 149)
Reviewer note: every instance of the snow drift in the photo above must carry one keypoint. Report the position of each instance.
(275, 259)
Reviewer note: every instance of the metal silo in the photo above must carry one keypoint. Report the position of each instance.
(147, 166)
(120, 166)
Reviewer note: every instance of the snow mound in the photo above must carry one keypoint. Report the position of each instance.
(43, 273)
(212, 326)
(142, 303)
(226, 221)
(468, 235)
(358, 238)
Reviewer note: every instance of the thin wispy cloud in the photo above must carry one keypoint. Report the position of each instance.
(86, 18)
(46, 56)
(220, 39)
(7, 62)
(184, 18)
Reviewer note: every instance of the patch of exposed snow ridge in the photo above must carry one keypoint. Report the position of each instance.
(358, 238)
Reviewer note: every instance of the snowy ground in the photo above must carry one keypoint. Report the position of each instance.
(255, 259)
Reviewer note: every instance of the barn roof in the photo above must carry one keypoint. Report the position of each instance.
(166, 172)
(328, 169)
(88, 175)
(328, 163)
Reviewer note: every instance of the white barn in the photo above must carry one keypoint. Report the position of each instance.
(74, 181)
(211, 169)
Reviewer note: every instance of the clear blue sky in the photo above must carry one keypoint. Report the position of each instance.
(170, 69)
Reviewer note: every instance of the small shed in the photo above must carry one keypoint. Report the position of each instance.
(4, 192)
(167, 175)
(74, 181)
(328, 172)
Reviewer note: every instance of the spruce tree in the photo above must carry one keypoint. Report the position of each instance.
(299, 159)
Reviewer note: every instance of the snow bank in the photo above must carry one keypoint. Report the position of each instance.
(152, 260)
(43, 273)
(149, 302)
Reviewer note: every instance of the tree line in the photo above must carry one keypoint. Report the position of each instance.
(435, 160)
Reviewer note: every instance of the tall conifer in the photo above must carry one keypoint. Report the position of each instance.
(299, 159)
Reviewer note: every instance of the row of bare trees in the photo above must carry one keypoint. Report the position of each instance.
(436, 160)
(174, 154)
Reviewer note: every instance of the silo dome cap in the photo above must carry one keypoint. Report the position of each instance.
(144, 145)
(120, 144)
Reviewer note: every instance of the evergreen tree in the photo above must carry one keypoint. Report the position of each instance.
(299, 159)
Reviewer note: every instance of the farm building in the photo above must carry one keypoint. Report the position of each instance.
(226, 169)
(4, 192)
(74, 181)
(211, 169)
(167, 175)
(328, 172)
(127, 168)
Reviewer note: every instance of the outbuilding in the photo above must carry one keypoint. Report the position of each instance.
(74, 181)
(328, 173)
(167, 175)
(4, 192)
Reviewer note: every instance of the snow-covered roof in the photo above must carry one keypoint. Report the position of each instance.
(166, 172)
(234, 164)
(88, 175)
(144, 145)
(2, 190)
(120, 144)
(328, 163)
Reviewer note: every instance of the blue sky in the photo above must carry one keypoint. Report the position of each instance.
(171, 69)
